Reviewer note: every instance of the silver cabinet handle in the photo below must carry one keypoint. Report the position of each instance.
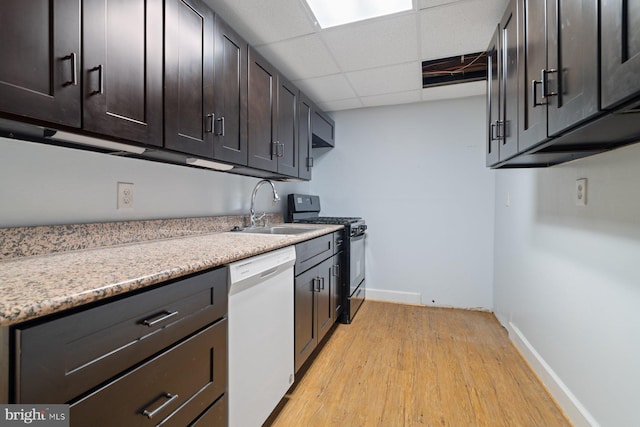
(100, 70)
(152, 321)
(274, 148)
(74, 68)
(543, 78)
(210, 122)
(221, 120)
(495, 130)
(534, 93)
(309, 162)
(169, 396)
(313, 284)
(321, 283)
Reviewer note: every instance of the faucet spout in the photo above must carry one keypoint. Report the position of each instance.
(254, 218)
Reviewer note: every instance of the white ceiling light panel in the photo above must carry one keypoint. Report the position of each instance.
(331, 13)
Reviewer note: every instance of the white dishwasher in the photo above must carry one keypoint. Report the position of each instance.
(261, 334)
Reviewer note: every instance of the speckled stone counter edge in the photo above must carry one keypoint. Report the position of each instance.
(18, 242)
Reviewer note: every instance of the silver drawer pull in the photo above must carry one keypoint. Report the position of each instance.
(159, 318)
(151, 414)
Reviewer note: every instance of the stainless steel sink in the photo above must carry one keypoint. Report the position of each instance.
(278, 229)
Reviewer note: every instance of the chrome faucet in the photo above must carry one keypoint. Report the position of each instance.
(254, 218)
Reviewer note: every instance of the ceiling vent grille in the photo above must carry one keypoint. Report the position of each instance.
(455, 69)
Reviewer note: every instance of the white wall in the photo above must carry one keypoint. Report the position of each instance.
(44, 185)
(416, 174)
(567, 281)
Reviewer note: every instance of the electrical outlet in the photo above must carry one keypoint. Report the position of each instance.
(581, 192)
(125, 195)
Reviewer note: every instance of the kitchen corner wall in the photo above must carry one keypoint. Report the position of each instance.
(416, 174)
(44, 185)
(567, 281)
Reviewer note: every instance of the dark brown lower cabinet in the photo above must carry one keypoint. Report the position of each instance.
(171, 389)
(314, 303)
(157, 356)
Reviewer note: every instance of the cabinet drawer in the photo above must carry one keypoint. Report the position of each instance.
(60, 359)
(312, 252)
(215, 416)
(172, 389)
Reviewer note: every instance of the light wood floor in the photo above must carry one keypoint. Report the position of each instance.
(400, 365)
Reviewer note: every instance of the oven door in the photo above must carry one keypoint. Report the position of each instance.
(356, 262)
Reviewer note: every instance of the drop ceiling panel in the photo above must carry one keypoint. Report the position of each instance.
(303, 57)
(458, 28)
(342, 104)
(460, 90)
(374, 43)
(425, 4)
(393, 98)
(262, 21)
(327, 88)
(394, 78)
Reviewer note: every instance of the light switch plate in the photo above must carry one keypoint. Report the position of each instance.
(581, 192)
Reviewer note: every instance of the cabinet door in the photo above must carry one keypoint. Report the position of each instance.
(620, 53)
(572, 59)
(262, 117)
(509, 86)
(494, 113)
(324, 306)
(287, 144)
(532, 122)
(337, 286)
(305, 161)
(40, 56)
(188, 77)
(230, 141)
(304, 312)
(122, 73)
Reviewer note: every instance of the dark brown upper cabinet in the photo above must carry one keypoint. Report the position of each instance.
(262, 113)
(620, 53)
(230, 141)
(188, 77)
(122, 72)
(305, 161)
(494, 100)
(532, 121)
(571, 80)
(287, 146)
(558, 68)
(272, 119)
(508, 131)
(40, 57)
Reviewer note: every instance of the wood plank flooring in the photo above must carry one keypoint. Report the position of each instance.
(401, 365)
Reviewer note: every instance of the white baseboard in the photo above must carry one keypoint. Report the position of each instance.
(571, 406)
(394, 296)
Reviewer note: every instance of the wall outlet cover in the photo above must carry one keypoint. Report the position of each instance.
(125, 195)
(581, 192)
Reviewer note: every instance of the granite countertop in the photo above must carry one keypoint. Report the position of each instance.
(36, 286)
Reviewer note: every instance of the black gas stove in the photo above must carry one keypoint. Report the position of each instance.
(305, 208)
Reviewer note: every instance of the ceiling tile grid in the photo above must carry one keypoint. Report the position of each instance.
(368, 63)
